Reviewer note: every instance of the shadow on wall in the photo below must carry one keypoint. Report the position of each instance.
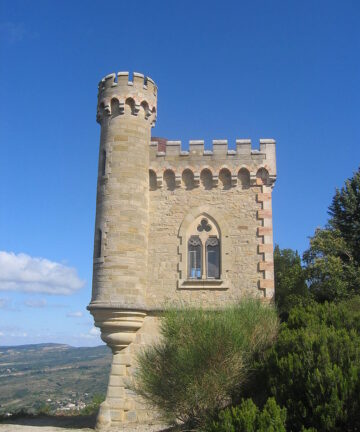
(206, 179)
(225, 178)
(188, 179)
(169, 179)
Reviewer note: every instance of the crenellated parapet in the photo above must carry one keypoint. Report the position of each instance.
(117, 92)
(220, 165)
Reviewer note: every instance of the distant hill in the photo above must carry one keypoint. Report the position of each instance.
(33, 346)
(55, 375)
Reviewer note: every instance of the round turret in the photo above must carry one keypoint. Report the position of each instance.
(126, 112)
(116, 91)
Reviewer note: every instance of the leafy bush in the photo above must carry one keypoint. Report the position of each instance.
(248, 418)
(290, 285)
(93, 406)
(44, 409)
(203, 359)
(314, 367)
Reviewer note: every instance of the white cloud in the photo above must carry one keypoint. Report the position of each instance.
(94, 332)
(24, 334)
(35, 303)
(76, 314)
(16, 334)
(24, 273)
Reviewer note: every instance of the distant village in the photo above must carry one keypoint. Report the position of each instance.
(74, 403)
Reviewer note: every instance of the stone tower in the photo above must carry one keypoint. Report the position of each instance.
(172, 224)
(126, 113)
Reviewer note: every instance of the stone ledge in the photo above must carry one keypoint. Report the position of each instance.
(202, 284)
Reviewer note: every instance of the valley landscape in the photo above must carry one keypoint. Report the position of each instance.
(52, 378)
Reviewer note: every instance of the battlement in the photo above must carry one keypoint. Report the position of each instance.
(253, 167)
(170, 155)
(121, 79)
(219, 147)
(117, 89)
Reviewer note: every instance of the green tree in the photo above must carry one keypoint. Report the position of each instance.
(345, 214)
(314, 367)
(332, 273)
(290, 285)
(333, 258)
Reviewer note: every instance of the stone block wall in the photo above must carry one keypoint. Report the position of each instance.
(231, 186)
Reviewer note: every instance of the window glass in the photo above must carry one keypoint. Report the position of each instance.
(213, 258)
(195, 259)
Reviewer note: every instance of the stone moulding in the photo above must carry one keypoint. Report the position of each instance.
(202, 284)
(118, 327)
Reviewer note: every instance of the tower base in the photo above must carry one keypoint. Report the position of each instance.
(122, 405)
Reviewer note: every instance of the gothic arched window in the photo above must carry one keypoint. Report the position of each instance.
(195, 257)
(203, 250)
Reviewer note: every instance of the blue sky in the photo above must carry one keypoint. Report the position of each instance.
(287, 70)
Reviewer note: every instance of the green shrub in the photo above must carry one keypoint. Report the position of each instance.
(343, 315)
(93, 406)
(290, 280)
(203, 359)
(44, 409)
(314, 367)
(248, 418)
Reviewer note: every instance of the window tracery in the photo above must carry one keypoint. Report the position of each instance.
(204, 225)
(203, 250)
(213, 237)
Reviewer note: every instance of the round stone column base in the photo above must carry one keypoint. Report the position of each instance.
(118, 327)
